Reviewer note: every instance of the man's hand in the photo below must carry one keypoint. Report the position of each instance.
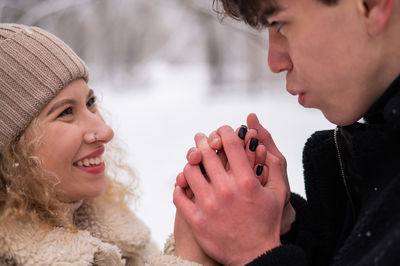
(234, 218)
(255, 130)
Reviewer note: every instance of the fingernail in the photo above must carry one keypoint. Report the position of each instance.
(259, 169)
(253, 144)
(214, 141)
(254, 129)
(242, 132)
(203, 171)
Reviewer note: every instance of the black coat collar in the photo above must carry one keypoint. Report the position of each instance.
(371, 149)
(387, 108)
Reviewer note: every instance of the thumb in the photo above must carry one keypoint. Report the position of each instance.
(276, 178)
(263, 135)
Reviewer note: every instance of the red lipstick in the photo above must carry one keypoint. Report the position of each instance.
(94, 169)
(96, 153)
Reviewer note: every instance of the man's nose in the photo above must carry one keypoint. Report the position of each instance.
(278, 57)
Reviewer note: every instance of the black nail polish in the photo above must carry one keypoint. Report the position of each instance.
(253, 144)
(242, 132)
(259, 169)
(202, 169)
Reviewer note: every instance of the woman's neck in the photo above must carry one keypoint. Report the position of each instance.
(75, 205)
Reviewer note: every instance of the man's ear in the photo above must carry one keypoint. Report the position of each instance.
(377, 14)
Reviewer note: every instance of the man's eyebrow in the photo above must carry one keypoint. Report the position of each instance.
(59, 104)
(270, 10)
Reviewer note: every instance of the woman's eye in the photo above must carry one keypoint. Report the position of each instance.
(67, 111)
(91, 102)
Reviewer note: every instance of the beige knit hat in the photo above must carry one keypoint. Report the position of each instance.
(34, 66)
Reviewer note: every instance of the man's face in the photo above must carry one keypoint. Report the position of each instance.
(330, 59)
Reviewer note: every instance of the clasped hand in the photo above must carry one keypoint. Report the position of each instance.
(235, 204)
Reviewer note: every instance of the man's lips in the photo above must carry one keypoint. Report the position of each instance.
(292, 91)
(94, 154)
(301, 98)
(299, 93)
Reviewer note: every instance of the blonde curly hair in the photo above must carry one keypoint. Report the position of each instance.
(27, 189)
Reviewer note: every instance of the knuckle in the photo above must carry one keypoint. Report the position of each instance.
(226, 193)
(248, 184)
(274, 160)
(199, 222)
(209, 205)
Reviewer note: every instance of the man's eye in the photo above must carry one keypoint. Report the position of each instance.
(276, 24)
(67, 111)
(91, 102)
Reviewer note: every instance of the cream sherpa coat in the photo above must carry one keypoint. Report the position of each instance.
(109, 234)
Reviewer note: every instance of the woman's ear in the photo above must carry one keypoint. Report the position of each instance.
(377, 14)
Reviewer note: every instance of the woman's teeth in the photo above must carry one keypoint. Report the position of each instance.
(90, 162)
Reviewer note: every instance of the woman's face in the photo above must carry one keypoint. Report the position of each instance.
(72, 143)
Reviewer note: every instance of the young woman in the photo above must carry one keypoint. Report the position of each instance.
(58, 206)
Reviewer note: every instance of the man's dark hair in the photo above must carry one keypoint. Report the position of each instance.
(251, 11)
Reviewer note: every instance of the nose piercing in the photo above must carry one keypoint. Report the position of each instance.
(95, 137)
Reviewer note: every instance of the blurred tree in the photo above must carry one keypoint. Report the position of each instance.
(120, 39)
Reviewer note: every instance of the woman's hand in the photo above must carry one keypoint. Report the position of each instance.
(186, 246)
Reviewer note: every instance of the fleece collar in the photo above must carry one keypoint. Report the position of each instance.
(109, 234)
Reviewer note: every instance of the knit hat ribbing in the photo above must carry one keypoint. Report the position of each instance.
(34, 66)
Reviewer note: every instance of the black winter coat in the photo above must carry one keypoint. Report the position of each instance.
(352, 178)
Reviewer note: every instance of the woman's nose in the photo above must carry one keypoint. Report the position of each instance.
(98, 131)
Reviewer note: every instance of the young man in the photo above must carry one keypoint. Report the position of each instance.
(342, 57)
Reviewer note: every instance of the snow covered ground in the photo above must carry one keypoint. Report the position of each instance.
(157, 127)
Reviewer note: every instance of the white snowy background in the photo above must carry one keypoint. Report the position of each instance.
(165, 70)
(157, 128)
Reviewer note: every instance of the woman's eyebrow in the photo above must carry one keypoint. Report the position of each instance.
(90, 94)
(65, 102)
(59, 104)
